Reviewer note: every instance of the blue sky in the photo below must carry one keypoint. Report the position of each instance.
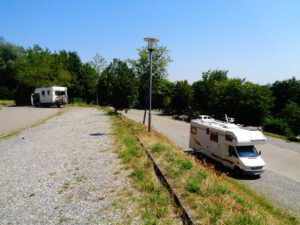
(257, 40)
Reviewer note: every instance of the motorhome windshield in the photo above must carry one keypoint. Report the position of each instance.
(246, 151)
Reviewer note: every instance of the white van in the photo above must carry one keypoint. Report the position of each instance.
(229, 144)
(46, 96)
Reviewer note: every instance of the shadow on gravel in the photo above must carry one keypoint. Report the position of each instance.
(220, 168)
(100, 134)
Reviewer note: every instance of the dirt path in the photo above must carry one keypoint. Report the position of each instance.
(64, 172)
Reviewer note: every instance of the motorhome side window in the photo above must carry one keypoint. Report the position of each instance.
(194, 130)
(207, 130)
(228, 137)
(48, 92)
(60, 93)
(231, 151)
(214, 137)
(43, 92)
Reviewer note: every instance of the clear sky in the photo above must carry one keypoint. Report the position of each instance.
(254, 39)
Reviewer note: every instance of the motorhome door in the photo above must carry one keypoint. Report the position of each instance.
(232, 157)
(214, 143)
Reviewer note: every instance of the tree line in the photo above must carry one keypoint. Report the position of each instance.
(123, 84)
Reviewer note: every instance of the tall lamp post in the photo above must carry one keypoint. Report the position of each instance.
(152, 42)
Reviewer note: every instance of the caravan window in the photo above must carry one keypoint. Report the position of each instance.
(228, 137)
(48, 92)
(43, 92)
(60, 92)
(214, 137)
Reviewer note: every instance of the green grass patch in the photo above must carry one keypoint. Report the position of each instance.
(7, 102)
(292, 139)
(192, 185)
(275, 135)
(153, 200)
(185, 165)
(158, 148)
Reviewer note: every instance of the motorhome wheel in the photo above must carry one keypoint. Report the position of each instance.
(237, 171)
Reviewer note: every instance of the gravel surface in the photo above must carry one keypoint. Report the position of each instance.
(63, 172)
(281, 189)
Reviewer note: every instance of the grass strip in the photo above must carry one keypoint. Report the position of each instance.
(211, 197)
(7, 102)
(154, 201)
(294, 140)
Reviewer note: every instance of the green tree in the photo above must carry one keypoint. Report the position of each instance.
(160, 62)
(163, 95)
(72, 63)
(206, 95)
(99, 64)
(255, 104)
(181, 97)
(118, 87)
(88, 81)
(39, 68)
(217, 95)
(284, 91)
(291, 113)
(9, 55)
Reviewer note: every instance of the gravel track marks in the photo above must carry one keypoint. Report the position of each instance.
(63, 172)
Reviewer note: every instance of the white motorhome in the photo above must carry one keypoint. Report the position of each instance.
(46, 96)
(229, 144)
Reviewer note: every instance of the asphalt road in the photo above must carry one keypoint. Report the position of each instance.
(16, 118)
(281, 181)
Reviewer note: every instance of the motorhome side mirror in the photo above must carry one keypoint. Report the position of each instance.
(259, 153)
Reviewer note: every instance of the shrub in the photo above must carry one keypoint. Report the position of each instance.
(6, 93)
(277, 125)
(78, 101)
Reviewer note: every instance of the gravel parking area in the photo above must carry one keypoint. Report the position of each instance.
(63, 172)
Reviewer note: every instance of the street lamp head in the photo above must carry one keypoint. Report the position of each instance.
(151, 42)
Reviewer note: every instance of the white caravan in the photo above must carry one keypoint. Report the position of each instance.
(46, 96)
(229, 144)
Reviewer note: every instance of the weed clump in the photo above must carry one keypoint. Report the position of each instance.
(192, 185)
(158, 148)
(186, 165)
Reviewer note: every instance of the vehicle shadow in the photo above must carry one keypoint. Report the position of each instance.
(219, 167)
